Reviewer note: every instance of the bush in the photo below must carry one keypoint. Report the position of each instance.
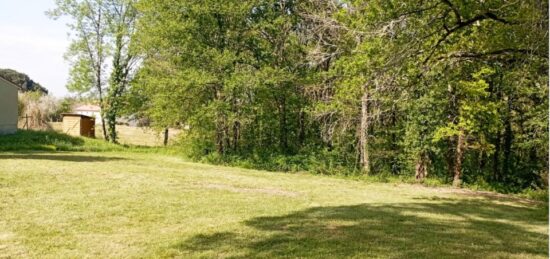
(536, 194)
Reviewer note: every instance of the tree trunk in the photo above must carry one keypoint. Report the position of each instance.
(220, 127)
(482, 160)
(226, 134)
(451, 142)
(102, 107)
(99, 69)
(450, 156)
(112, 111)
(302, 128)
(457, 182)
(394, 143)
(165, 142)
(364, 133)
(117, 85)
(421, 169)
(508, 138)
(496, 158)
(219, 138)
(283, 131)
(236, 135)
(111, 123)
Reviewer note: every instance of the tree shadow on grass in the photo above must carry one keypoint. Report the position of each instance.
(485, 196)
(60, 157)
(449, 229)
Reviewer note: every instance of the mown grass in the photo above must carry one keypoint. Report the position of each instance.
(28, 140)
(322, 164)
(128, 204)
(67, 197)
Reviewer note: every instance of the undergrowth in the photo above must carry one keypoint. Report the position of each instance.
(28, 140)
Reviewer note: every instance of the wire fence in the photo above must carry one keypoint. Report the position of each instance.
(142, 136)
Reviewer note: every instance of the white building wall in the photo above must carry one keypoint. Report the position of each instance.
(96, 115)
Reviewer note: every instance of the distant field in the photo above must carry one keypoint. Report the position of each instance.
(144, 205)
(142, 136)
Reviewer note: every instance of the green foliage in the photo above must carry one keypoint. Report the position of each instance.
(476, 113)
(25, 83)
(436, 89)
(89, 47)
(64, 105)
(103, 31)
(536, 194)
(81, 76)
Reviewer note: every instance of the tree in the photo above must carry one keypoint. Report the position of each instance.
(103, 29)
(88, 51)
(235, 73)
(25, 83)
(122, 17)
(445, 88)
(477, 115)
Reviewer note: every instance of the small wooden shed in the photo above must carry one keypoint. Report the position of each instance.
(78, 125)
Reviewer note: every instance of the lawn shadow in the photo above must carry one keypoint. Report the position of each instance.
(60, 157)
(449, 229)
(487, 196)
(38, 140)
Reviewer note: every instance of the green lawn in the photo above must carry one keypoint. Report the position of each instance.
(83, 204)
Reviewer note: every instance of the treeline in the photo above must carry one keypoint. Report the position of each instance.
(456, 90)
(25, 83)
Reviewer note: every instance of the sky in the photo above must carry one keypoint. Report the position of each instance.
(34, 44)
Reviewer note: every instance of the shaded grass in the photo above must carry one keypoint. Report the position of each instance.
(29, 140)
(461, 229)
(127, 204)
(73, 158)
(25, 141)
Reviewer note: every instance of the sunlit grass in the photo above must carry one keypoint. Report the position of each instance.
(128, 204)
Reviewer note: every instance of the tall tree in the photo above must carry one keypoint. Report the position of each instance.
(122, 17)
(89, 49)
(377, 86)
(102, 31)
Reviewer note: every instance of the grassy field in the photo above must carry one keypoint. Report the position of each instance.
(142, 136)
(124, 204)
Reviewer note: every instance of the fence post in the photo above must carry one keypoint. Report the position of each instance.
(166, 136)
(26, 122)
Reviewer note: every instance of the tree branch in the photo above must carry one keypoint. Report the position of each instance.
(495, 53)
(461, 24)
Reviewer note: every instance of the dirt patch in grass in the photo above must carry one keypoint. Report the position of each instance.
(231, 188)
(9, 245)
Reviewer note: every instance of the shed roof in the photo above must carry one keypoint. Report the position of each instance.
(87, 107)
(76, 115)
(8, 82)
